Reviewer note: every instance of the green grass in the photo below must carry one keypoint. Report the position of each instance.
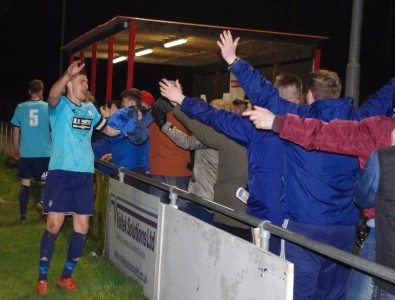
(19, 249)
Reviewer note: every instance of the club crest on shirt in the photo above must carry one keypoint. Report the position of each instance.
(82, 123)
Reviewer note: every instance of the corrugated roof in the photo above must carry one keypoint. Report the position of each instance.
(258, 46)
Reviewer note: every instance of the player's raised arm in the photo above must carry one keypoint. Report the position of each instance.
(59, 86)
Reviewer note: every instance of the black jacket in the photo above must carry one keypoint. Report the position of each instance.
(385, 215)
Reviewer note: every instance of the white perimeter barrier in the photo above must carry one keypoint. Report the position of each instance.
(176, 256)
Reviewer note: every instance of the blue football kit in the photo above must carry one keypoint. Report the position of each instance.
(32, 118)
(72, 127)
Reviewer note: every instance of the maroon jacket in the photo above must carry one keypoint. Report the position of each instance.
(338, 136)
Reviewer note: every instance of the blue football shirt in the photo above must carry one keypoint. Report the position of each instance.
(72, 127)
(32, 118)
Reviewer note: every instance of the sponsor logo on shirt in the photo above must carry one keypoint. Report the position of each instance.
(81, 123)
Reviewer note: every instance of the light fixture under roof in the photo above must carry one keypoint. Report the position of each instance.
(144, 52)
(119, 59)
(175, 43)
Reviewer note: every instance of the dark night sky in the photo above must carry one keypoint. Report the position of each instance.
(30, 32)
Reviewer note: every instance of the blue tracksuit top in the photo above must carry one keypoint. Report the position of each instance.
(125, 152)
(128, 155)
(318, 186)
(265, 157)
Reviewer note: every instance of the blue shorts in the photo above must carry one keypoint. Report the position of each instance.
(32, 167)
(69, 192)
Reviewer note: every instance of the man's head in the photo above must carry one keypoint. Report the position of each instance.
(290, 87)
(323, 84)
(239, 106)
(130, 97)
(77, 87)
(36, 88)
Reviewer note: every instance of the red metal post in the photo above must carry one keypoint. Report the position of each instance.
(93, 69)
(317, 60)
(110, 53)
(194, 89)
(132, 41)
(82, 55)
(275, 68)
(215, 84)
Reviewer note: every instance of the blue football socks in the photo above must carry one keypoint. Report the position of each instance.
(23, 199)
(46, 250)
(76, 247)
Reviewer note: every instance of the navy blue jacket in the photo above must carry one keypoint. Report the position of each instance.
(318, 186)
(265, 157)
(367, 187)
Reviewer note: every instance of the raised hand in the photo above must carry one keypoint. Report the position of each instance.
(74, 68)
(261, 117)
(171, 90)
(58, 87)
(228, 46)
(105, 111)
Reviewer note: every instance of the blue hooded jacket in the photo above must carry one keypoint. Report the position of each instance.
(130, 149)
(318, 187)
(265, 157)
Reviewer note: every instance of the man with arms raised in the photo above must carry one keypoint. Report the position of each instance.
(318, 186)
(69, 188)
(264, 151)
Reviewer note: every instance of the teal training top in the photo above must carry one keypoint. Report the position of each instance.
(72, 127)
(32, 119)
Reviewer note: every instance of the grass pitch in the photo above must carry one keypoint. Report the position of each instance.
(19, 250)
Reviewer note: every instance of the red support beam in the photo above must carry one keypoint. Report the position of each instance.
(215, 84)
(110, 66)
(82, 57)
(194, 82)
(131, 50)
(317, 60)
(93, 69)
(275, 68)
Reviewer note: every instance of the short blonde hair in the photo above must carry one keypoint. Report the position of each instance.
(324, 84)
(222, 104)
